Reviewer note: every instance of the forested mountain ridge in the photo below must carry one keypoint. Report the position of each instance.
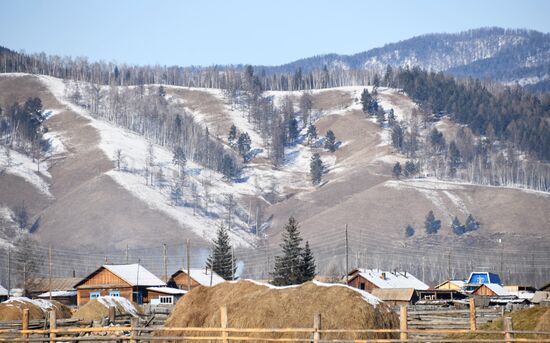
(499, 54)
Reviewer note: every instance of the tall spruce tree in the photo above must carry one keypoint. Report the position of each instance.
(288, 267)
(457, 227)
(221, 259)
(330, 141)
(308, 264)
(316, 169)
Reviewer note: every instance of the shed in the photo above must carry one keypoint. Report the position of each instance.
(65, 297)
(395, 296)
(491, 290)
(199, 277)
(41, 285)
(455, 285)
(438, 296)
(164, 295)
(126, 280)
(370, 279)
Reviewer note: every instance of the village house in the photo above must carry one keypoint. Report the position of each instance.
(455, 285)
(480, 278)
(491, 290)
(130, 281)
(198, 277)
(370, 279)
(520, 291)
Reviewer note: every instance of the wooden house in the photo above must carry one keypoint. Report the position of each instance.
(370, 279)
(198, 277)
(491, 290)
(455, 285)
(128, 280)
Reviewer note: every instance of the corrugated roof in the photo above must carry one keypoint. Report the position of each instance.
(134, 274)
(385, 279)
(203, 276)
(58, 294)
(497, 289)
(42, 284)
(393, 294)
(458, 283)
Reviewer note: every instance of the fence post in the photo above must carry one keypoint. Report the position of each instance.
(53, 326)
(133, 332)
(25, 323)
(508, 327)
(473, 323)
(223, 317)
(403, 334)
(316, 327)
(111, 314)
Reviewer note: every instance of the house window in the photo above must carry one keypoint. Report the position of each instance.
(362, 286)
(95, 295)
(114, 293)
(166, 299)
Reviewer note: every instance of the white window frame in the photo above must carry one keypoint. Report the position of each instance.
(114, 293)
(166, 299)
(95, 295)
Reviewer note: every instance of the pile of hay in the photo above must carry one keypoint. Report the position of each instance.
(531, 319)
(97, 309)
(38, 308)
(254, 305)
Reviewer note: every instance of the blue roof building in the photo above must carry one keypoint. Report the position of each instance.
(481, 278)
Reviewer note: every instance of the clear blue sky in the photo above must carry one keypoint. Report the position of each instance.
(257, 32)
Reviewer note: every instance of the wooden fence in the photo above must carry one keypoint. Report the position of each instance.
(225, 334)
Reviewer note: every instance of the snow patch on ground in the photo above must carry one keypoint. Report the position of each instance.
(23, 166)
(457, 201)
(119, 302)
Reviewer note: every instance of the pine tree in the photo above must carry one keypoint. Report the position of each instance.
(457, 227)
(293, 131)
(316, 169)
(396, 171)
(391, 117)
(244, 144)
(311, 133)
(431, 224)
(288, 267)
(221, 259)
(232, 135)
(410, 169)
(409, 231)
(397, 137)
(454, 159)
(471, 224)
(179, 159)
(308, 264)
(162, 91)
(330, 141)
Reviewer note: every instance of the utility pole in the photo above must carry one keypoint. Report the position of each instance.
(232, 263)
(126, 253)
(449, 266)
(188, 243)
(165, 265)
(347, 264)
(50, 270)
(9, 271)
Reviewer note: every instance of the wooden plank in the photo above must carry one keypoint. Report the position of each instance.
(403, 335)
(223, 318)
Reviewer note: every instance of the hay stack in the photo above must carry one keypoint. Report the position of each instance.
(97, 309)
(253, 305)
(38, 308)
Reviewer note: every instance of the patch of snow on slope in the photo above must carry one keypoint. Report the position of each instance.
(456, 201)
(24, 167)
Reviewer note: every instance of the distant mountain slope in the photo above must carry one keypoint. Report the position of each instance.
(496, 53)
